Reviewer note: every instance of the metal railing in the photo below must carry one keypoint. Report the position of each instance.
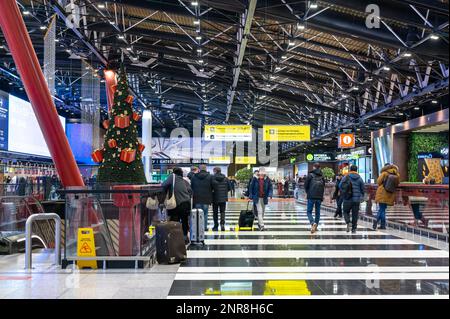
(28, 239)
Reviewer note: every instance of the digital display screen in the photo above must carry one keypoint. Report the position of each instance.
(80, 140)
(24, 133)
(4, 121)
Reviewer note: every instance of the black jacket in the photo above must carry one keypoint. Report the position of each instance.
(202, 187)
(315, 185)
(337, 191)
(221, 187)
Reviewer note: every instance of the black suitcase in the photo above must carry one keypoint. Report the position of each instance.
(246, 218)
(170, 246)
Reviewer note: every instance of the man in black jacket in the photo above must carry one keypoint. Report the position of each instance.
(315, 188)
(221, 187)
(202, 188)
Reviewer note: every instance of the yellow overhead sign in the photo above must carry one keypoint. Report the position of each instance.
(228, 133)
(287, 133)
(245, 160)
(219, 160)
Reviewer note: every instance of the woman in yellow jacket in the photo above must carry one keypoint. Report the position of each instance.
(384, 198)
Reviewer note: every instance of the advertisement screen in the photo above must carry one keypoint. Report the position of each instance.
(3, 121)
(24, 133)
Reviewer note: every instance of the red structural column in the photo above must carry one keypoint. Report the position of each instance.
(27, 63)
(110, 83)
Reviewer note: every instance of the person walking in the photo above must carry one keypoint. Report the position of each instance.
(338, 197)
(352, 189)
(296, 186)
(202, 188)
(286, 187)
(182, 192)
(387, 182)
(261, 190)
(315, 188)
(221, 187)
(233, 186)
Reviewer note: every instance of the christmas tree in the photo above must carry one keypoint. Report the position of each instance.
(121, 156)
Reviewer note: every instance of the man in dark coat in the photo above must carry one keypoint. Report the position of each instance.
(202, 188)
(352, 201)
(221, 187)
(315, 188)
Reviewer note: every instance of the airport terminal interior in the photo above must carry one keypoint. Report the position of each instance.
(217, 149)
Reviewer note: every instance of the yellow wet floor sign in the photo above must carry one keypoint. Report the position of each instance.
(86, 248)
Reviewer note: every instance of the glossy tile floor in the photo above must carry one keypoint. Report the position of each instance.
(287, 261)
(284, 261)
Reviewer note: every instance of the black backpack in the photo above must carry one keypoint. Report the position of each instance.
(317, 185)
(390, 183)
(347, 188)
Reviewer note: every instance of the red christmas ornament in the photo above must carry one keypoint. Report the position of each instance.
(105, 124)
(97, 155)
(128, 155)
(122, 121)
(112, 143)
(136, 116)
(141, 147)
(129, 99)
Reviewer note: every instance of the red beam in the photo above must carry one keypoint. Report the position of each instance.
(27, 63)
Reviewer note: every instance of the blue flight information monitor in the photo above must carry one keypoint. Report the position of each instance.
(4, 110)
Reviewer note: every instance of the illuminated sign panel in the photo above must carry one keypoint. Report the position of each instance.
(287, 133)
(239, 133)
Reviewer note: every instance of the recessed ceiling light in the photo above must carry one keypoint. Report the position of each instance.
(369, 79)
(277, 68)
(120, 36)
(416, 108)
(42, 27)
(313, 5)
(202, 70)
(196, 22)
(2, 46)
(301, 26)
(111, 22)
(200, 61)
(194, 3)
(291, 43)
(129, 48)
(101, 5)
(199, 50)
(198, 37)
(284, 57)
(434, 37)
(407, 54)
(56, 40)
(434, 102)
(386, 68)
(10, 83)
(26, 12)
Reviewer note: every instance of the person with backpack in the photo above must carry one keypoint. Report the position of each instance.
(352, 190)
(338, 197)
(202, 187)
(315, 188)
(176, 185)
(388, 182)
(221, 187)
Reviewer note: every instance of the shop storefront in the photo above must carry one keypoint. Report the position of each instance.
(360, 157)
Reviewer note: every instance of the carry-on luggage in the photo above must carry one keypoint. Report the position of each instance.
(197, 224)
(170, 246)
(246, 218)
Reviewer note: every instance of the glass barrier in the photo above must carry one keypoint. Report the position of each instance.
(115, 214)
(14, 212)
(417, 205)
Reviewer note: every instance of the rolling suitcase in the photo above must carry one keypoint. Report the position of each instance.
(197, 224)
(246, 218)
(170, 247)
